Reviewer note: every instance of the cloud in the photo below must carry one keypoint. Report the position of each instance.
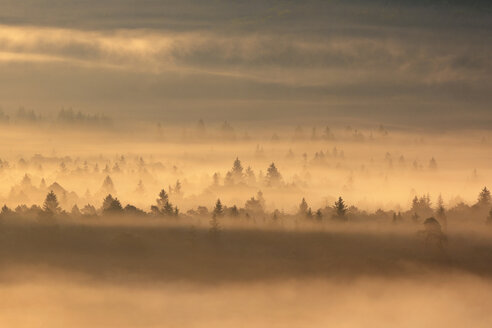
(283, 59)
(317, 52)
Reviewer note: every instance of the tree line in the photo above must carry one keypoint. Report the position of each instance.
(254, 209)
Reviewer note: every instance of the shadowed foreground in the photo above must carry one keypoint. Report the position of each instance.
(98, 275)
(167, 253)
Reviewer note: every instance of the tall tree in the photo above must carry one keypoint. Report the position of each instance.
(484, 198)
(273, 176)
(218, 209)
(340, 209)
(162, 200)
(51, 205)
(237, 168)
(164, 206)
(107, 202)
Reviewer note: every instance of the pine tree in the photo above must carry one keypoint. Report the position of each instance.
(168, 209)
(51, 205)
(484, 198)
(273, 176)
(5, 211)
(107, 202)
(111, 205)
(340, 209)
(218, 209)
(237, 168)
(163, 205)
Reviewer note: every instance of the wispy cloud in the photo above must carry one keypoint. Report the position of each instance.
(323, 52)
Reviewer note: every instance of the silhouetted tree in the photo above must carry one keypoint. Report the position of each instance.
(168, 209)
(422, 205)
(273, 176)
(164, 207)
(111, 205)
(218, 209)
(340, 210)
(237, 168)
(484, 198)
(163, 199)
(51, 205)
(6, 211)
(235, 175)
(108, 200)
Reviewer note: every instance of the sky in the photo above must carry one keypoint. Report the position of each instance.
(417, 63)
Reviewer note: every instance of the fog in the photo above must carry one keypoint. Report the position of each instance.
(369, 165)
(450, 301)
(280, 250)
(245, 163)
(156, 275)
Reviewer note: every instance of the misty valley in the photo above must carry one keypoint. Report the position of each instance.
(245, 164)
(217, 206)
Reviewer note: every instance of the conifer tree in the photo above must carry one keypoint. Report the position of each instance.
(484, 198)
(218, 209)
(51, 205)
(340, 209)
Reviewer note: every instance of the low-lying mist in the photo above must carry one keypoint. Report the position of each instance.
(448, 300)
(153, 275)
(216, 225)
